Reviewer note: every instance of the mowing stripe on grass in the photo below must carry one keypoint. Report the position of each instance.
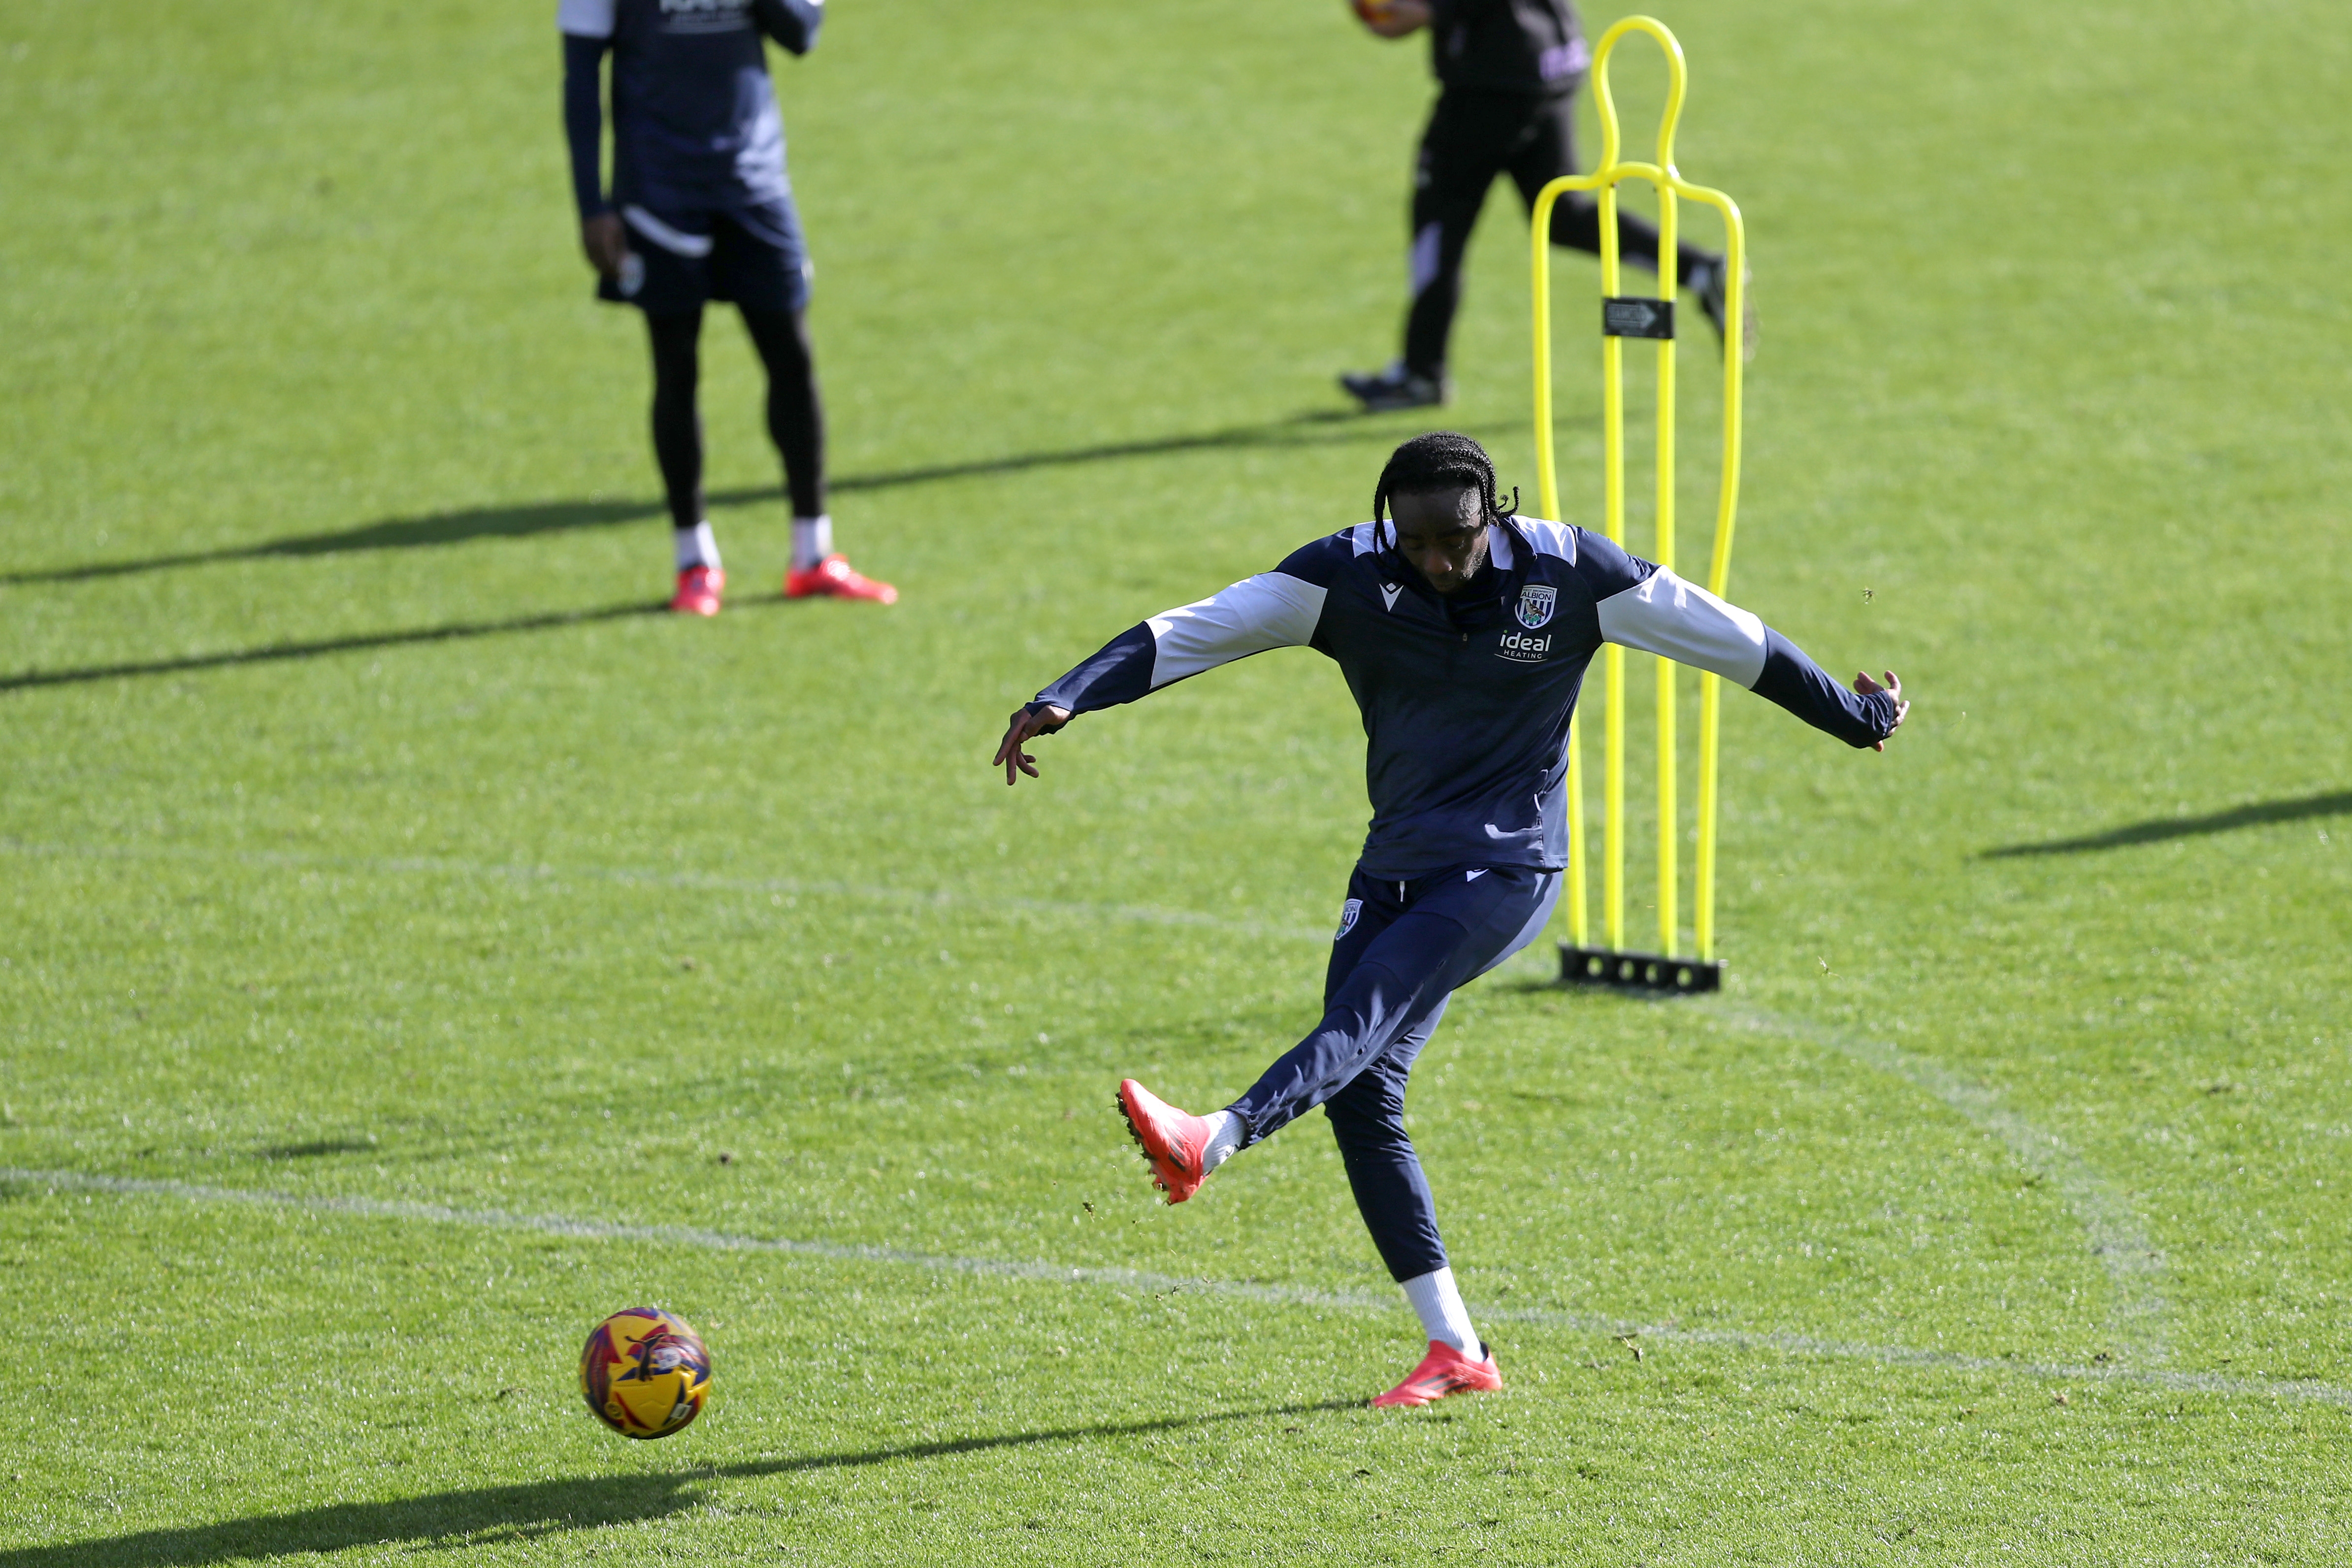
(1165, 1284)
(2140, 1318)
(692, 881)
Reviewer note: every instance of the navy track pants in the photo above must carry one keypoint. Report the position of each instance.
(1402, 950)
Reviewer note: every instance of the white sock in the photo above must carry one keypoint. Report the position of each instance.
(696, 546)
(1224, 1137)
(1443, 1318)
(811, 541)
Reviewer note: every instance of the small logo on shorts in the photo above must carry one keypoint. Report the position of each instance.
(1348, 913)
(633, 274)
(1537, 601)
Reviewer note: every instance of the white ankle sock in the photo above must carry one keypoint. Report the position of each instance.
(1225, 1139)
(696, 546)
(1443, 1318)
(811, 541)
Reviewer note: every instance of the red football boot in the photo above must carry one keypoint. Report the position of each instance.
(1443, 1370)
(832, 577)
(1173, 1142)
(698, 589)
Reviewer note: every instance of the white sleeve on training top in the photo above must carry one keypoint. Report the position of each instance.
(1681, 621)
(586, 19)
(1270, 610)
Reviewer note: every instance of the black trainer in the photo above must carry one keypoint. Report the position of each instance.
(1385, 391)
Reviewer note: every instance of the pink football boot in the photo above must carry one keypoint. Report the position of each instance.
(1443, 1370)
(831, 578)
(1172, 1141)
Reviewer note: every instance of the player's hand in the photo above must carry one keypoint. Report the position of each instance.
(606, 241)
(1893, 687)
(1026, 726)
(1392, 18)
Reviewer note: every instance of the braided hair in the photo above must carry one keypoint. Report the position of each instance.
(1440, 460)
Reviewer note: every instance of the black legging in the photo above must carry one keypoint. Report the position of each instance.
(1471, 138)
(795, 416)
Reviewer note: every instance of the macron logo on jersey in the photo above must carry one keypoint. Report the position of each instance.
(1389, 593)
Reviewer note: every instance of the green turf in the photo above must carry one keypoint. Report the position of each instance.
(365, 840)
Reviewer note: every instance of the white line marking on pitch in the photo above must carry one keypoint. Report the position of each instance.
(2136, 1268)
(1137, 1279)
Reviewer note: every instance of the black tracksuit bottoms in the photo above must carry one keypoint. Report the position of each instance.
(1471, 138)
(1402, 950)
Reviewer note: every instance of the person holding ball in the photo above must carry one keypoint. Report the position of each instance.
(1508, 72)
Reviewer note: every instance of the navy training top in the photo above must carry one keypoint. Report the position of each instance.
(1466, 700)
(1507, 46)
(695, 125)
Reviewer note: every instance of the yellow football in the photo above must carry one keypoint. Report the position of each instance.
(645, 1372)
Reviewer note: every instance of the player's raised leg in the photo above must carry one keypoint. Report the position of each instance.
(677, 451)
(1180, 1147)
(1402, 949)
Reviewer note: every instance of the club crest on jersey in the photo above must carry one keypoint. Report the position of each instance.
(1348, 913)
(1536, 601)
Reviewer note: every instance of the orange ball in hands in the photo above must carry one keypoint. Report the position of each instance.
(1371, 13)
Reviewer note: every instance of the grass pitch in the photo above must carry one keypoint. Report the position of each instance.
(404, 924)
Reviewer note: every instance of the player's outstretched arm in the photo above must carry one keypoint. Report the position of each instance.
(1274, 609)
(1648, 608)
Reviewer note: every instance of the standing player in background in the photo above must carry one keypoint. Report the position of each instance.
(1463, 631)
(1508, 71)
(702, 209)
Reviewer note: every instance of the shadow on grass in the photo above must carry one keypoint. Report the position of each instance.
(2335, 803)
(1321, 429)
(486, 1515)
(391, 533)
(273, 652)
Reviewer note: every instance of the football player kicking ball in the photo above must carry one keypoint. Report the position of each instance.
(1464, 632)
(701, 210)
